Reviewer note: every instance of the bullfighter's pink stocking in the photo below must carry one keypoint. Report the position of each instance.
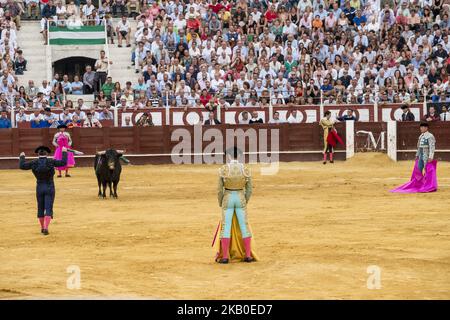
(248, 248)
(47, 220)
(225, 247)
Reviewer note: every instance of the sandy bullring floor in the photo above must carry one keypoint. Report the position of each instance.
(317, 229)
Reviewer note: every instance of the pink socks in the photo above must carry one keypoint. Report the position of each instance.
(47, 220)
(225, 247)
(331, 156)
(324, 156)
(41, 221)
(248, 248)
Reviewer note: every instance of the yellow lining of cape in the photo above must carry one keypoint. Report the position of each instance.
(237, 249)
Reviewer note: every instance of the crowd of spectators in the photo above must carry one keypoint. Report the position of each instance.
(251, 53)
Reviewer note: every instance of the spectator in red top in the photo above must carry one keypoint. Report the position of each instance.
(432, 115)
(192, 22)
(205, 97)
(271, 14)
(216, 7)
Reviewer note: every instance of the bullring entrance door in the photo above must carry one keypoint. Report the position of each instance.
(73, 66)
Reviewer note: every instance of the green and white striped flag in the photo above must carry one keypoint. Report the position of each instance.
(85, 35)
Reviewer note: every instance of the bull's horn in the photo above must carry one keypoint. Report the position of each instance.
(121, 151)
(101, 152)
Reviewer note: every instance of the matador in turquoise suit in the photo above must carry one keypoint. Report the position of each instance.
(425, 146)
(234, 192)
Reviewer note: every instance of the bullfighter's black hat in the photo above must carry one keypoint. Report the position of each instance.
(42, 148)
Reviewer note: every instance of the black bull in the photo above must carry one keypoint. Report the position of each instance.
(107, 168)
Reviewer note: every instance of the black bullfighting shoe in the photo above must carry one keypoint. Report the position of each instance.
(45, 232)
(223, 261)
(331, 161)
(42, 230)
(324, 162)
(248, 259)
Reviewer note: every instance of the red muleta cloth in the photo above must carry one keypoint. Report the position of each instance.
(333, 138)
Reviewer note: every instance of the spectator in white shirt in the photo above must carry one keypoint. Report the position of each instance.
(123, 30)
(91, 122)
(45, 89)
(21, 116)
(127, 122)
(244, 119)
(445, 114)
(293, 118)
(87, 9)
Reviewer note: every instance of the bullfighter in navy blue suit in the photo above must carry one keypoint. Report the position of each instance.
(44, 169)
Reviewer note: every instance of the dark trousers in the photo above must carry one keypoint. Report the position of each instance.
(87, 89)
(45, 195)
(99, 80)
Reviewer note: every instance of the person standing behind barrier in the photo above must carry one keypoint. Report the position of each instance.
(348, 116)
(255, 118)
(91, 122)
(407, 115)
(145, 120)
(212, 120)
(445, 114)
(127, 122)
(327, 125)
(432, 115)
(5, 123)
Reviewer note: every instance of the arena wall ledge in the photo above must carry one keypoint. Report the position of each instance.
(305, 113)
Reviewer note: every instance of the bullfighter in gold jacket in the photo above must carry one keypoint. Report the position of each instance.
(234, 192)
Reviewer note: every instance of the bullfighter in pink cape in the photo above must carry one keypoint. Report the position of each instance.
(422, 181)
(61, 140)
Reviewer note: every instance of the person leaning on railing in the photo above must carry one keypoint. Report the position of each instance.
(91, 122)
(145, 120)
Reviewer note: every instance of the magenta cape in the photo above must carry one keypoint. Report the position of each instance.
(419, 183)
(63, 141)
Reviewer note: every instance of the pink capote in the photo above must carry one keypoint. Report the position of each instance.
(63, 141)
(419, 183)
